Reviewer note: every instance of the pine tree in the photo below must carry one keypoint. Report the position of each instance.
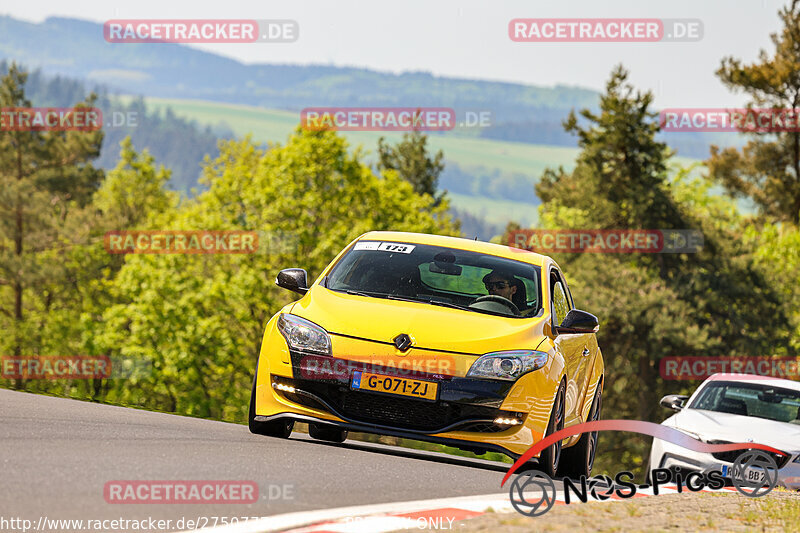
(44, 175)
(411, 161)
(767, 169)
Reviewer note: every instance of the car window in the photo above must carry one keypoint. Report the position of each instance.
(432, 274)
(471, 282)
(560, 302)
(762, 401)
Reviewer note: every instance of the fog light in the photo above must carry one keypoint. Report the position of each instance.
(507, 421)
(282, 387)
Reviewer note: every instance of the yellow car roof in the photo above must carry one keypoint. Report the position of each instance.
(458, 243)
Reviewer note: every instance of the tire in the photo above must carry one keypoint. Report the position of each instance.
(578, 460)
(550, 457)
(326, 432)
(276, 428)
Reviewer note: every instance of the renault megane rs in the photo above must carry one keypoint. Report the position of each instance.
(434, 338)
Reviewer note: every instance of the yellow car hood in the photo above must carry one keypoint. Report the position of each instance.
(431, 327)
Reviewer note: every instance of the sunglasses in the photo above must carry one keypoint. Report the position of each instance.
(496, 285)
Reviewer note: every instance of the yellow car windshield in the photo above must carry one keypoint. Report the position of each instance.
(439, 276)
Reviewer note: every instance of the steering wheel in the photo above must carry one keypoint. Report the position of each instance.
(498, 299)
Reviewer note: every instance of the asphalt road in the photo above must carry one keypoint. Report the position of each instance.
(57, 455)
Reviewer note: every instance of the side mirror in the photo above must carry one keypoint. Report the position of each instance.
(294, 279)
(674, 401)
(578, 321)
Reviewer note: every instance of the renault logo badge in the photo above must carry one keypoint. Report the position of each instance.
(403, 342)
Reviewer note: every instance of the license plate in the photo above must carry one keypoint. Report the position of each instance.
(752, 475)
(413, 388)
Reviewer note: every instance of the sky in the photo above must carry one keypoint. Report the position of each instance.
(469, 38)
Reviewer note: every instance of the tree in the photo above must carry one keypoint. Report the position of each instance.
(410, 159)
(134, 189)
(45, 177)
(619, 160)
(767, 169)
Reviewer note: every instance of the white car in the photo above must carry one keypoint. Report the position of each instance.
(735, 408)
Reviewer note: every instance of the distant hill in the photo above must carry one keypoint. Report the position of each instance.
(177, 143)
(76, 48)
(490, 179)
(194, 97)
(520, 113)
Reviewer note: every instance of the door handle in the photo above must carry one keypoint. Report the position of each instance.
(585, 351)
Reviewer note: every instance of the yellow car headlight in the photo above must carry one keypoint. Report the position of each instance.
(508, 365)
(303, 335)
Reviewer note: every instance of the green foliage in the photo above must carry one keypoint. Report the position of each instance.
(778, 252)
(409, 158)
(134, 189)
(45, 180)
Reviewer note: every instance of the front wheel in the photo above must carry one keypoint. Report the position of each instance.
(550, 457)
(578, 460)
(281, 428)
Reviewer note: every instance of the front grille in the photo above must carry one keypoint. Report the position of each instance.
(418, 415)
(730, 457)
(412, 414)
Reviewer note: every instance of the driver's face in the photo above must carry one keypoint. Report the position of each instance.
(500, 287)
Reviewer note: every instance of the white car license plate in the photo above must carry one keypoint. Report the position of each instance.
(752, 474)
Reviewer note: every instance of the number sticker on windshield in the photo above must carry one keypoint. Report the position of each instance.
(385, 246)
(395, 247)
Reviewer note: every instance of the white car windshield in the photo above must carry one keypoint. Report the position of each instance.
(749, 399)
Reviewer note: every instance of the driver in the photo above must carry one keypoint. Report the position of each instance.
(500, 284)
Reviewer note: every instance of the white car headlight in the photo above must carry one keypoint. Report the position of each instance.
(303, 335)
(508, 365)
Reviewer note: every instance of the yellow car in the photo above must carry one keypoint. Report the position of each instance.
(440, 339)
